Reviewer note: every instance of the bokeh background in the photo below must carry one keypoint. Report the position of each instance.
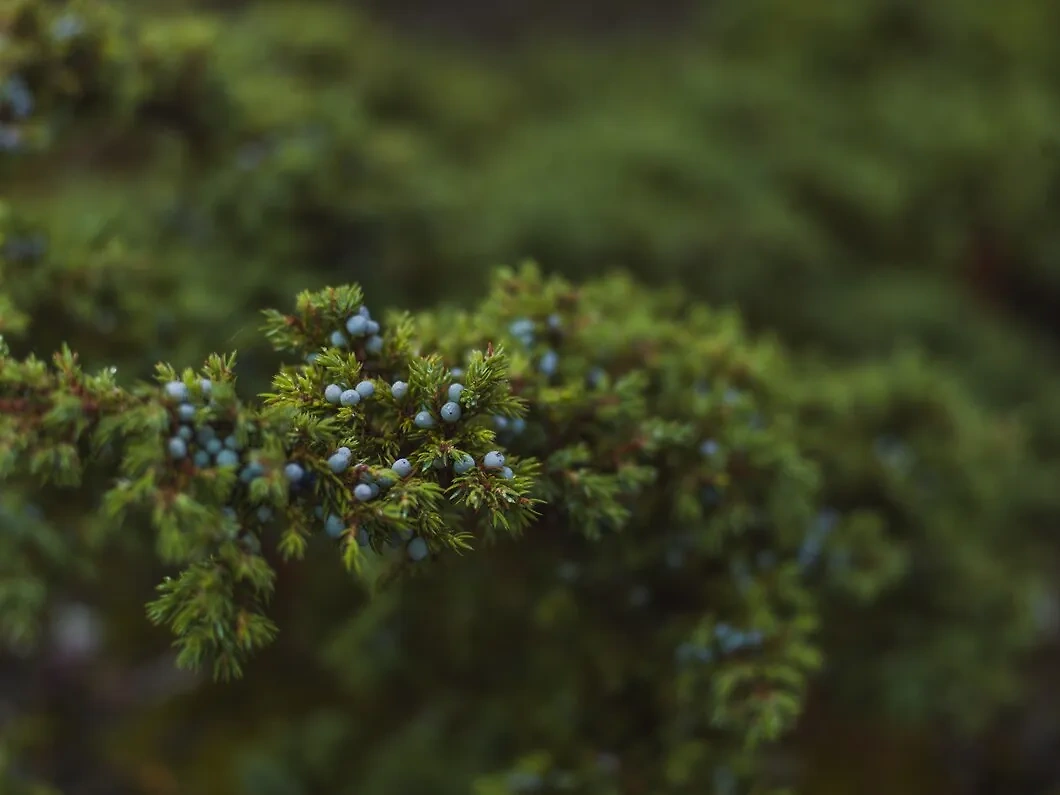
(856, 178)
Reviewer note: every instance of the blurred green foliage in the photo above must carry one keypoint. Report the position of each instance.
(859, 178)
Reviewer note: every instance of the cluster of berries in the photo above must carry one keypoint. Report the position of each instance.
(196, 437)
(524, 330)
(729, 641)
(450, 412)
(359, 326)
(338, 395)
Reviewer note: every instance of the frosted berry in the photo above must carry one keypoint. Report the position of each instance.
(294, 472)
(334, 525)
(344, 451)
(214, 446)
(357, 325)
(363, 492)
(375, 489)
(493, 460)
(424, 420)
(350, 397)
(362, 310)
(338, 339)
(332, 393)
(403, 467)
(549, 363)
(507, 472)
(202, 459)
(177, 390)
(228, 458)
(457, 372)
(417, 549)
(518, 425)
(178, 448)
(450, 412)
(339, 463)
(366, 389)
(232, 443)
(555, 322)
(186, 412)
(185, 433)
(373, 327)
(399, 389)
(374, 345)
(311, 358)
(463, 464)
(205, 434)
(709, 448)
(454, 392)
(206, 385)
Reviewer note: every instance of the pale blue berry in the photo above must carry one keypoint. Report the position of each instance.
(339, 463)
(185, 433)
(375, 489)
(264, 514)
(333, 393)
(294, 472)
(402, 467)
(362, 537)
(518, 425)
(424, 420)
(399, 389)
(373, 327)
(417, 549)
(344, 451)
(709, 448)
(177, 390)
(521, 328)
(350, 397)
(214, 446)
(338, 339)
(363, 492)
(357, 325)
(500, 423)
(450, 412)
(205, 434)
(232, 443)
(549, 363)
(366, 389)
(186, 412)
(311, 358)
(457, 372)
(363, 312)
(178, 448)
(67, 27)
(228, 458)
(202, 459)
(507, 473)
(493, 460)
(463, 464)
(454, 392)
(555, 322)
(334, 525)
(374, 345)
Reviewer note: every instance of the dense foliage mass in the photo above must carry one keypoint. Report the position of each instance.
(721, 544)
